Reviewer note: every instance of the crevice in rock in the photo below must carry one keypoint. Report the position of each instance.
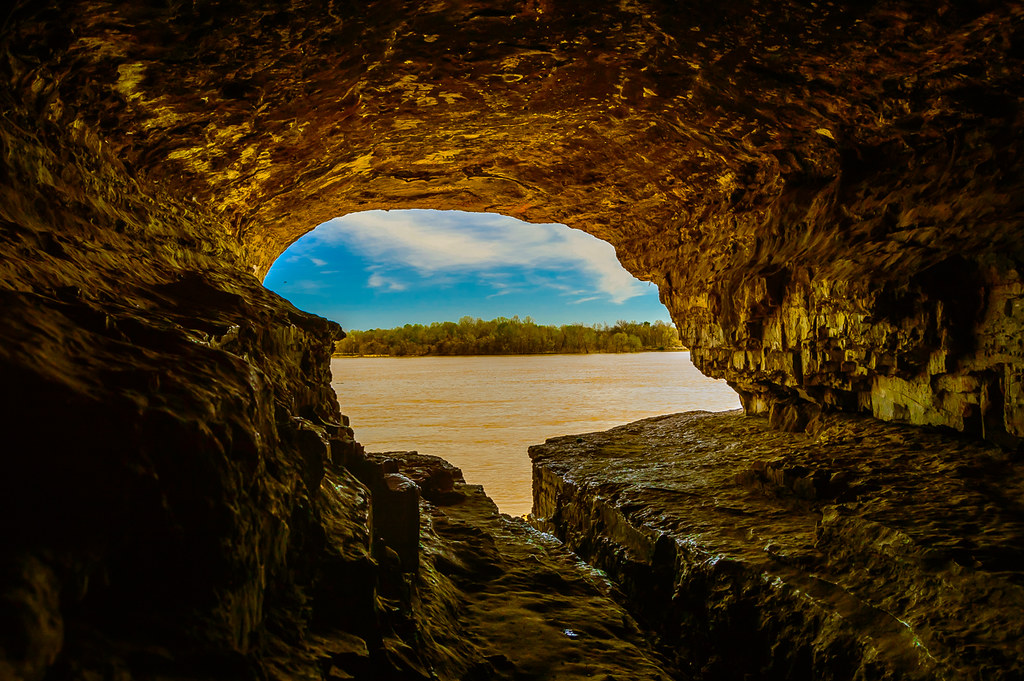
(828, 197)
(753, 552)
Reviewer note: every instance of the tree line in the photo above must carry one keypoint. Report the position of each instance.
(504, 336)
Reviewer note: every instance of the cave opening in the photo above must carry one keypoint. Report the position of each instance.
(389, 268)
(828, 196)
(509, 333)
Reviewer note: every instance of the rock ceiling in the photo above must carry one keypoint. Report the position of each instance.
(828, 196)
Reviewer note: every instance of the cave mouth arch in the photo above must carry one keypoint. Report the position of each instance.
(482, 413)
(380, 269)
(792, 176)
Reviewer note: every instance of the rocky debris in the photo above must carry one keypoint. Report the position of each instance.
(485, 596)
(435, 477)
(496, 599)
(869, 551)
(396, 481)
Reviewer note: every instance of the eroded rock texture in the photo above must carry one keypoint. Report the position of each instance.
(167, 424)
(827, 196)
(773, 555)
(496, 599)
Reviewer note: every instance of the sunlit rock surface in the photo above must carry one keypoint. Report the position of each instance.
(866, 551)
(828, 198)
(495, 599)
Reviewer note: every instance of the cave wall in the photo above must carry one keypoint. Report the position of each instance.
(168, 424)
(827, 197)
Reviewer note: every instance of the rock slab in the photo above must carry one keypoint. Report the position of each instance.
(496, 599)
(866, 551)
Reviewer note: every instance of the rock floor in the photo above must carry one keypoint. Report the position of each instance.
(495, 598)
(867, 551)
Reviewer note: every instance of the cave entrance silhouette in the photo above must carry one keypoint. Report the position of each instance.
(380, 269)
(468, 400)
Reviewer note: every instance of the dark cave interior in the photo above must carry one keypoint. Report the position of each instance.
(828, 196)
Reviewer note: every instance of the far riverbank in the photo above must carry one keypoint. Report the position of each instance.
(508, 336)
(506, 354)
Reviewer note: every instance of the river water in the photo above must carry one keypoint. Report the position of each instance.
(482, 412)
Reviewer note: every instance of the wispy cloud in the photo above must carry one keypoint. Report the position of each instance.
(305, 285)
(298, 254)
(436, 243)
(385, 283)
(505, 289)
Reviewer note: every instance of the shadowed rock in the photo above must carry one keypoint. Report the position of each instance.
(868, 551)
(827, 196)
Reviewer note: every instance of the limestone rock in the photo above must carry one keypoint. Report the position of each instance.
(435, 477)
(871, 551)
(828, 197)
(495, 599)
(30, 602)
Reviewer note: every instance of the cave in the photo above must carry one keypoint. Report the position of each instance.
(827, 195)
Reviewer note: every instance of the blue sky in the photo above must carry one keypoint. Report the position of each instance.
(381, 269)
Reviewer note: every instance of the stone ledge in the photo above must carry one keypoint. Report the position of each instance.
(909, 566)
(494, 598)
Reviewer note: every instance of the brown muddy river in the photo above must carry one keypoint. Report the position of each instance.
(481, 413)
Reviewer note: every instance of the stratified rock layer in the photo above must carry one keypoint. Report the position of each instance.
(869, 551)
(828, 197)
(496, 599)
